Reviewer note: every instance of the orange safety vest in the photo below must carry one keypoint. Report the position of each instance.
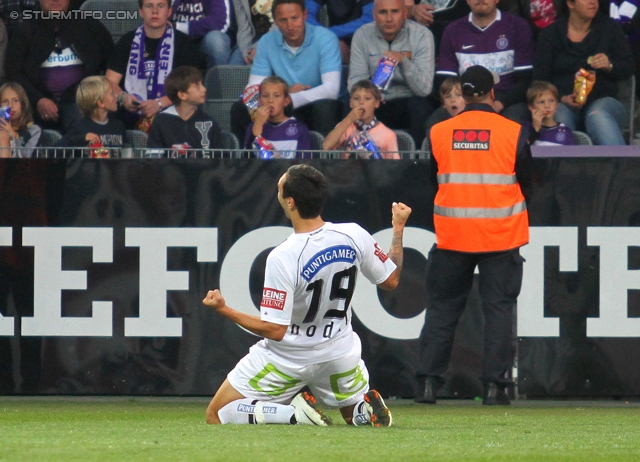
(479, 206)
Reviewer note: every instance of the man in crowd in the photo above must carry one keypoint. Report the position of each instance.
(308, 58)
(49, 57)
(501, 42)
(345, 17)
(143, 58)
(410, 45)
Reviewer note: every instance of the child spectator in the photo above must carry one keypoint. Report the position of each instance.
(97, 101)
(184, 127)
(452, 102)
(18, 134)
(290, 137)
(451, 96)
(542, 98)
(365, 99)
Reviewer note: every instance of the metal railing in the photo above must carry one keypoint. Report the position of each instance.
(128, 152)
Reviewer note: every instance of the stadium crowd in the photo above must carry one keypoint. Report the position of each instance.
(320, 49)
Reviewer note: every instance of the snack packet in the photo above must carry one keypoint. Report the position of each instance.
(5, 113)
(98, 151)
(582, 85)
(250, 98)
(180, 150)
(384, 72)
(264, 148)
(144, 124)
(364, 146)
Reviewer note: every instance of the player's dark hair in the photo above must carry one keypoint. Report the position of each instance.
(282, 2)
(308, 187)
(179, 80)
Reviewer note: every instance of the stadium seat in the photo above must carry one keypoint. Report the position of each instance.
(406, 145)
(220, 111)
(226, 81)
(581, 138)
(49, 138)
(425, 148)
(125, 12)
(229, 141)
(138, 141)
(316, 140)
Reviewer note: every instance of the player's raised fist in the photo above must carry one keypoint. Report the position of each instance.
(399, 213)
(214, 299)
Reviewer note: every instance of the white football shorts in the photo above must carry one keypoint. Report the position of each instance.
(337, 383)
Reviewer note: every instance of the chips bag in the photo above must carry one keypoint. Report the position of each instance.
(250, 98)
(384, 72)
(582, 85)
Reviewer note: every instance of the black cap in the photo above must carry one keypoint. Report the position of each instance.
(477, 81)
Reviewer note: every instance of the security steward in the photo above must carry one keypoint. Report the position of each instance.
(480, 167)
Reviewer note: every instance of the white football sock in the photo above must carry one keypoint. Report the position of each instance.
(360, 414)
(252, 411)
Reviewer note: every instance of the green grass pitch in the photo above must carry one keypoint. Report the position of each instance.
(145, 429)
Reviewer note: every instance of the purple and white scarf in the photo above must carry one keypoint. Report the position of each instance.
(138, 82)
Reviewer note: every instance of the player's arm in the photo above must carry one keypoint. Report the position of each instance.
(254, 324)
(399, 216)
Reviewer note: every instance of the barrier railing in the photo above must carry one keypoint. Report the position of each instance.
(141, 153)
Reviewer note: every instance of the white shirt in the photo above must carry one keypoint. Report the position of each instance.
(309, 281)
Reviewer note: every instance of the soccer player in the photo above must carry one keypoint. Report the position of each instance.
(306, 318)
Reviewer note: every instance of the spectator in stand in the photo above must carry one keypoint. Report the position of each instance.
(49, 57)
(584, 39)
(538, 13)
(436, 14)
(406, 105)
(185, 128)
(18, 135)
(208, 23)
(11, 12)
(253, 21)
(452, 102)
(345, 17)
(289, 136)
(4, 40)
(498, 41)
(143, 59)
(307, 57)
(542, 98)
(625, 13)
(365, 99)
(97, 102)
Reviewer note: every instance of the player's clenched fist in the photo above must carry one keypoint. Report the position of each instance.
(214, 299)
(399, 214)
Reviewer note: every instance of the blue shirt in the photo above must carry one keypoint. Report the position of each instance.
(318, 54)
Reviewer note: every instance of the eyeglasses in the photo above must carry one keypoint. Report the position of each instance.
(151, 6)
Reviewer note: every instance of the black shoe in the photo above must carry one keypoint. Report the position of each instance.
(495, 394)
(427, 395)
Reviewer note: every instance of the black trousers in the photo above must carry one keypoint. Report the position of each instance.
(321, 116)
(449, 279)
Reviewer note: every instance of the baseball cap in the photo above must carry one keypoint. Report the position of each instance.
(477, 81)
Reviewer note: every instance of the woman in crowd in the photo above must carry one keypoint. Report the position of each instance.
(594, 42)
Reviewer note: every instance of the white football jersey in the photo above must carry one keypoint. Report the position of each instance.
(308, 285)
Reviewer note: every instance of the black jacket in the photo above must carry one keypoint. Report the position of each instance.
(169, 129)
(32, 44)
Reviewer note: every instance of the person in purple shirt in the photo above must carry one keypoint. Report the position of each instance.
(498, 41)
(208, 23)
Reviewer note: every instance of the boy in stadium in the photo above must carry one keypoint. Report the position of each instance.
(542, 98)
(96, 99)
(452, 102)
(184, 127)
(290, 137)
(365, 99)
(306, 318)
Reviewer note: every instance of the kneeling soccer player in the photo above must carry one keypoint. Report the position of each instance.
(305, 318)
